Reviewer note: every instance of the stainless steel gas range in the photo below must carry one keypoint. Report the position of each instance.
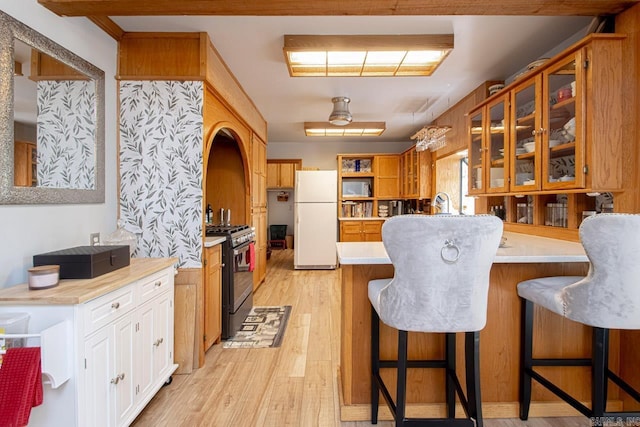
(237, 274)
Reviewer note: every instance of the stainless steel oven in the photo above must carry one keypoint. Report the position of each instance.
(242, 275)
(237, 275)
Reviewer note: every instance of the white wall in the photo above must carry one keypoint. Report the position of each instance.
(323, 155)
(280, 212)
(26, 230)
(316, 154)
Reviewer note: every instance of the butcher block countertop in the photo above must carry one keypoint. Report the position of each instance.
(78, 291)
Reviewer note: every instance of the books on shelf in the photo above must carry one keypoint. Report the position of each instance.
(357, 209)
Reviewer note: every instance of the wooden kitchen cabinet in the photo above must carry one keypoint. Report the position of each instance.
(259, 208)
(356, 185)
(415, 174)
(565, 120)
(24, 168)
(564, 138)
(489, 147)
(281, 172)
(387, 182)
(361, 231)
(213, 296)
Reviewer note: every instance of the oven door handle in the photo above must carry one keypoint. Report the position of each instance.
(238, 250)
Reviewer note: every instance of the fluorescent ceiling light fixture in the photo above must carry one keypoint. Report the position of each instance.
(365, 55)
(352, 129)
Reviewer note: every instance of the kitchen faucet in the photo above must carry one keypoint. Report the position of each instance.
(439, 199)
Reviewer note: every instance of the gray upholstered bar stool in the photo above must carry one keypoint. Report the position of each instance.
(607, 298)
(440, 285)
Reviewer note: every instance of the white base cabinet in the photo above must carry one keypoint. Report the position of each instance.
(121, 348)
(128, 359)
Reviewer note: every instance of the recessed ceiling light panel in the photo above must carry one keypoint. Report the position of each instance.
(366, 55)
(351, 130)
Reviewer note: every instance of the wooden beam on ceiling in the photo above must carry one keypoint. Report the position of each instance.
(108, 26)
(336, 7)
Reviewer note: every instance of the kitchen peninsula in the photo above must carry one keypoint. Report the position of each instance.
(523, 257)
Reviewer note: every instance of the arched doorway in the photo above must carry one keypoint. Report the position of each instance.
(226, 178)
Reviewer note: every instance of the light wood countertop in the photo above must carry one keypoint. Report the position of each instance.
(78, 291)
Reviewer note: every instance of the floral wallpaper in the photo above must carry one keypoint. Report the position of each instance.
(161, 143)
(66, 127)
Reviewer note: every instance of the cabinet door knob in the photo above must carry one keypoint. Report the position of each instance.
(115, 305)
(158, 284)
(115, 380)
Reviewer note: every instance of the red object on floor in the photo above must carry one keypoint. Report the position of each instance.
(20, 385)
(252, 256)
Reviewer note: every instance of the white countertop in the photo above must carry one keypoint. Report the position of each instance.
(519, 248)
(213, 240)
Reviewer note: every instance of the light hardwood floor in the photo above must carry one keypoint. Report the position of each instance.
(293, 385)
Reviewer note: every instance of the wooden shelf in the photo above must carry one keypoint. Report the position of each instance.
(565, 72)
(528, 120)
(355, 198)
(497, 162)
(357, 174)
(563, 103)
(567, 147)
(526, 156)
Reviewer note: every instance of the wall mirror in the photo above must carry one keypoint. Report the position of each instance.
(51, 121)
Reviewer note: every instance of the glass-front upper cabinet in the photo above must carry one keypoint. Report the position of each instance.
(497, 149)
(476, 149)
(526, 135)
(562, 142)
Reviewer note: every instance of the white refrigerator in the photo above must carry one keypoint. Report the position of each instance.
(315, 219)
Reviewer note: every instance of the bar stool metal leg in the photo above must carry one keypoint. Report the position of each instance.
(450, 386)
(401, 388)
(599, 371)
(472, 364)
(375, 365)
(526, 360)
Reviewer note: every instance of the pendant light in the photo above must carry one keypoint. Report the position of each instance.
(340, 116)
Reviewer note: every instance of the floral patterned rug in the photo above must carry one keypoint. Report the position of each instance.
(264, 327)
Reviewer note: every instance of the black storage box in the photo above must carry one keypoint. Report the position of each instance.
(86, 262)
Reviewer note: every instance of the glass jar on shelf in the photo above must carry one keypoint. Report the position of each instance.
(122, 237)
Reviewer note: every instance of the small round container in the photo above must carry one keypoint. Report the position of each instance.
(564, 93)
(495, 88)
(607, 208)
(44, 277)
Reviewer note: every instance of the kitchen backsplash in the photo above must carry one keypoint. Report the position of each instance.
(161, 143)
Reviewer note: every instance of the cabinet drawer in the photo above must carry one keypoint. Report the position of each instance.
(154, 285)
(107, 308)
